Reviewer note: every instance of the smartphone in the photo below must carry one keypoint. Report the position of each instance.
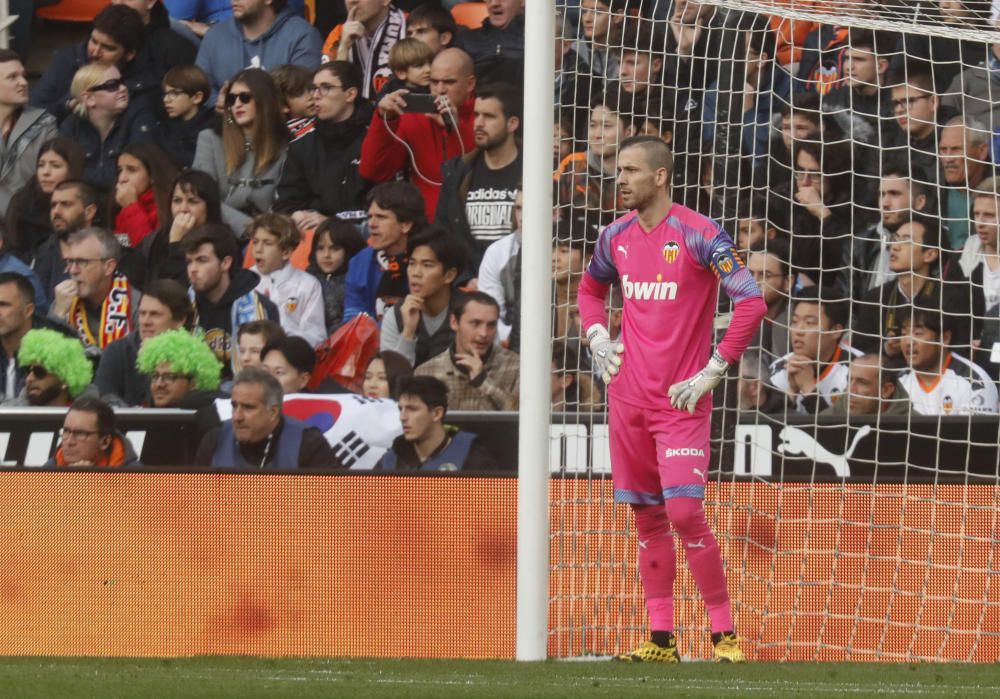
(420, 102)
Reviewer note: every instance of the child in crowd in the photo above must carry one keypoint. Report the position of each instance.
(410, 62)
(753, 230)
(297, 294)
(334, 244)
(295, 85)
(251, 339)
(141, 199)
(185, 89)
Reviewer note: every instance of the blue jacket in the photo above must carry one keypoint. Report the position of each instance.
(361, 284)
(212, 11)
(225, 51)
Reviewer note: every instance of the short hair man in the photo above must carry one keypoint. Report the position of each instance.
(872, 389)
(375, 276)
(858, 104)
(669, 261)
(964, 154)
(260, 34)
(365, 39)
(497, 47)
(427, 444)
(418, 328)
(939, 381)
(479, 374)
(224, 296)
(773, 274)
(430, 139)
(433, 25)
(258, 436)
(901, 191)
(89, 438)
(164, 306)
(18, 315)
(916, 261)
(916, 104)
(116, 39)
(183, 371)
(477, 197)
(97, 300)
(73, 207)
(56, 368)
(25, 128)
(814, 374)
(754, 391)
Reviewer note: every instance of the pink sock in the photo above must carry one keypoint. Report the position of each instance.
(657, 564)
(704, 558)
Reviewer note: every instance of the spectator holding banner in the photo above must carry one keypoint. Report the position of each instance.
(427, 444)
(258, 436)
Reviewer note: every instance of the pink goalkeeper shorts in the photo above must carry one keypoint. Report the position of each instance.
(657, 454)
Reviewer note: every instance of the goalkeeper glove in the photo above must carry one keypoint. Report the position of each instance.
(686, 394)
(606, 352)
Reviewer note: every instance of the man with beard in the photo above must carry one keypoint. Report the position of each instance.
(73, 207)
(477, 198)
(260, 34)
(56, 369)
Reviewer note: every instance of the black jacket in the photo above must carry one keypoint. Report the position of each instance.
(457, 177)
(117, 377)
(49, 265)
(135, 125)
(51, 92)
(321, 168)
(498, 54)
(216, 319)
(180, 138)
(155, 258)
(27, 224)
(167, 49)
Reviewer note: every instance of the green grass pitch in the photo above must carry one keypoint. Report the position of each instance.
(398, 679)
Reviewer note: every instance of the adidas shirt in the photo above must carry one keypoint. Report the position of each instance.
(963, 389)
(830, 387)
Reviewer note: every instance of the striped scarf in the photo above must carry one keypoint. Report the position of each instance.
(116, 315)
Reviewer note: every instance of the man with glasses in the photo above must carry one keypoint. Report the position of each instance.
(918, 113)
(183, 371)
(56, 369)
(89, 438)
(97, 300)
(320, 177)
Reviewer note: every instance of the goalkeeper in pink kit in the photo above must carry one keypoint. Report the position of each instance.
(660, 373)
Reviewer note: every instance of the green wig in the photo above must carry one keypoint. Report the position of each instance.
(61, 355)
(185, 353)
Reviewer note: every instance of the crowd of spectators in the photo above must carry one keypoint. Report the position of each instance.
(199, 199)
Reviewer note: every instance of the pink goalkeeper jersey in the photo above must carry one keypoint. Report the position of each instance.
(670, 281)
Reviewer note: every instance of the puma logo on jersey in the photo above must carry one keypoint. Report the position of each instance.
(623, 250)
(698, 472)
(649, 291)
(699, 544)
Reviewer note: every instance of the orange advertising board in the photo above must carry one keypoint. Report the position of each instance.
(130, 564)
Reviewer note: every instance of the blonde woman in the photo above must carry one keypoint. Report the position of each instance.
(246, 159)
(104, 121)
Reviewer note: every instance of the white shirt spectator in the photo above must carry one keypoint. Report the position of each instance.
(963, 389)
(299, 298)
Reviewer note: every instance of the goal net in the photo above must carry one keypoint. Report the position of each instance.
(849, 148)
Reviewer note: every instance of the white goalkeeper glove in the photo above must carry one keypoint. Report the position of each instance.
(686, 394)
(606, 352)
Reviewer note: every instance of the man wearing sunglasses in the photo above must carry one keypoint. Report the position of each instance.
(89, 438)
(56, 369)
(116, 39)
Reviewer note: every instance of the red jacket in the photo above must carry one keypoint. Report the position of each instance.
(138, 219)
(382, 156)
